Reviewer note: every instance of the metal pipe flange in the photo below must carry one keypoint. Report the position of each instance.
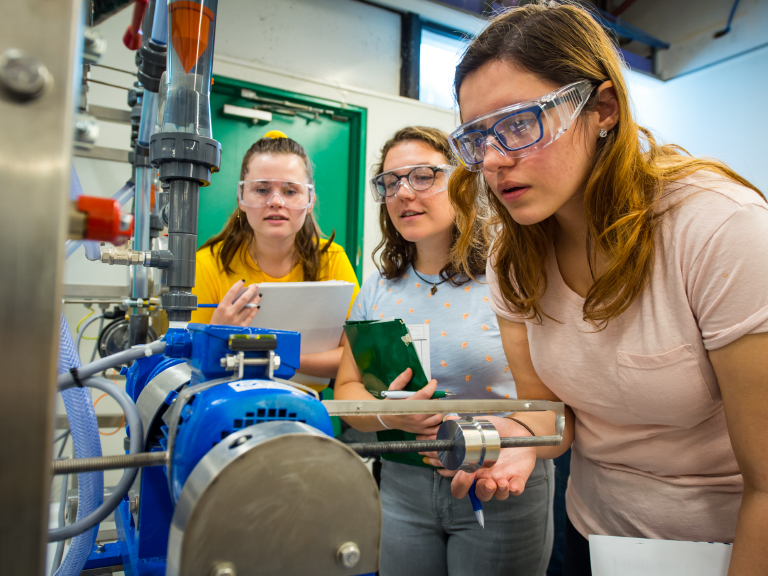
(476, 444)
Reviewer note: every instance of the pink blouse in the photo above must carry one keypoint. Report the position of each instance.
(651, 455)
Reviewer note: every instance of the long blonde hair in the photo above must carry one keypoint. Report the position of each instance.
(562, 44)
(238, 234)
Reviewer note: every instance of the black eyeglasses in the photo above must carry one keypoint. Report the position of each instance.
(422, 180)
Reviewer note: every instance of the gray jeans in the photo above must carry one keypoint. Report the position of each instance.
(428, 532)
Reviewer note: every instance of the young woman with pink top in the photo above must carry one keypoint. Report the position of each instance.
(629, 281)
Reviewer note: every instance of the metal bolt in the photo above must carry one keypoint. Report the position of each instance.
(86, 130)
(224, 569)
(348, 555)
(94, 45)
(100, 548)
(240, 441)
(22, 75)
(133, 505)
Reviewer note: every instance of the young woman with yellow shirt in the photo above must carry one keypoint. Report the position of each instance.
(272, 236)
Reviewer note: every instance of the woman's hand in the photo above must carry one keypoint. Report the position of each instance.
(232, 310)
(425, 424)
(432, 459)
(507, 476)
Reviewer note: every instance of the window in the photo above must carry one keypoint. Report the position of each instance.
(439, 54)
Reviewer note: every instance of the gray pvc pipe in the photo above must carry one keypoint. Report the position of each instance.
(65, 380)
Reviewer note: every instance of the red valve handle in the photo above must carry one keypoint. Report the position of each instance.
(133, 36)
(104, 219)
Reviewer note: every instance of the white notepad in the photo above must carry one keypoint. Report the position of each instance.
(615, 556)
(316, 309)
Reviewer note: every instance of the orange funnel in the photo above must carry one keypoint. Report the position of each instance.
(190, 26)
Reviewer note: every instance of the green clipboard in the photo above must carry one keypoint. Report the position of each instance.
(382, 351)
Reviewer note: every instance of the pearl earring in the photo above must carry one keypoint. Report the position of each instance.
(603, 133)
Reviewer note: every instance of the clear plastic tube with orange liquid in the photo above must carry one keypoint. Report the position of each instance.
(191, 30)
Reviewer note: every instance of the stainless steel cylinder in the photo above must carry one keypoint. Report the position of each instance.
(477, 444)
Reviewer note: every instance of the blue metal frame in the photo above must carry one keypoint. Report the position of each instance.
(109, 556)
(611, 22)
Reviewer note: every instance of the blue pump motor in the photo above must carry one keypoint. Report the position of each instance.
(213, 414)
(228, 473)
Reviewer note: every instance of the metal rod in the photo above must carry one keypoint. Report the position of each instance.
(108, 84)
(115, 69)
(79, 465)
(105, 301)
(405, 446)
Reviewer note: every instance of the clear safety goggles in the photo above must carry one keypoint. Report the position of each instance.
(521, 129)
(260, 193)
(422, 181)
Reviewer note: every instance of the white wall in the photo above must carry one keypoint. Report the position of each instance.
(717, 112)
(337, 40)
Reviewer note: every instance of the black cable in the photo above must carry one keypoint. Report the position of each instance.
(434, 284)
(65, 435)
(60, 436)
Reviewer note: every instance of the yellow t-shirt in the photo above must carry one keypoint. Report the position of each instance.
(211, 283)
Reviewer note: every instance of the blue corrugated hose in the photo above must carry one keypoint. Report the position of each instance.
(85, 436)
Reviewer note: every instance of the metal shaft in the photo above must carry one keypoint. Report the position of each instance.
(404, 446)
(362, 448)
(79, 465)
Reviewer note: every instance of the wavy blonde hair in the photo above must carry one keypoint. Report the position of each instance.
(561, 44)
(237, 234)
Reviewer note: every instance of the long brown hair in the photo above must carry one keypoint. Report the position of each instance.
(237, 234)
(395, 253)
(562, 44)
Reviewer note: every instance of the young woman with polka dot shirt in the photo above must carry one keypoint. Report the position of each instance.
(426, 531)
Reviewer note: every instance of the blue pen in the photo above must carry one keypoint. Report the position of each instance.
(477, 506)
(216, 305)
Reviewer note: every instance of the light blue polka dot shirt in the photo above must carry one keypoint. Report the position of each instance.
(466, 356)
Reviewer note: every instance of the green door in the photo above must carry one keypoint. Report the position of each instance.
(334, 137)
